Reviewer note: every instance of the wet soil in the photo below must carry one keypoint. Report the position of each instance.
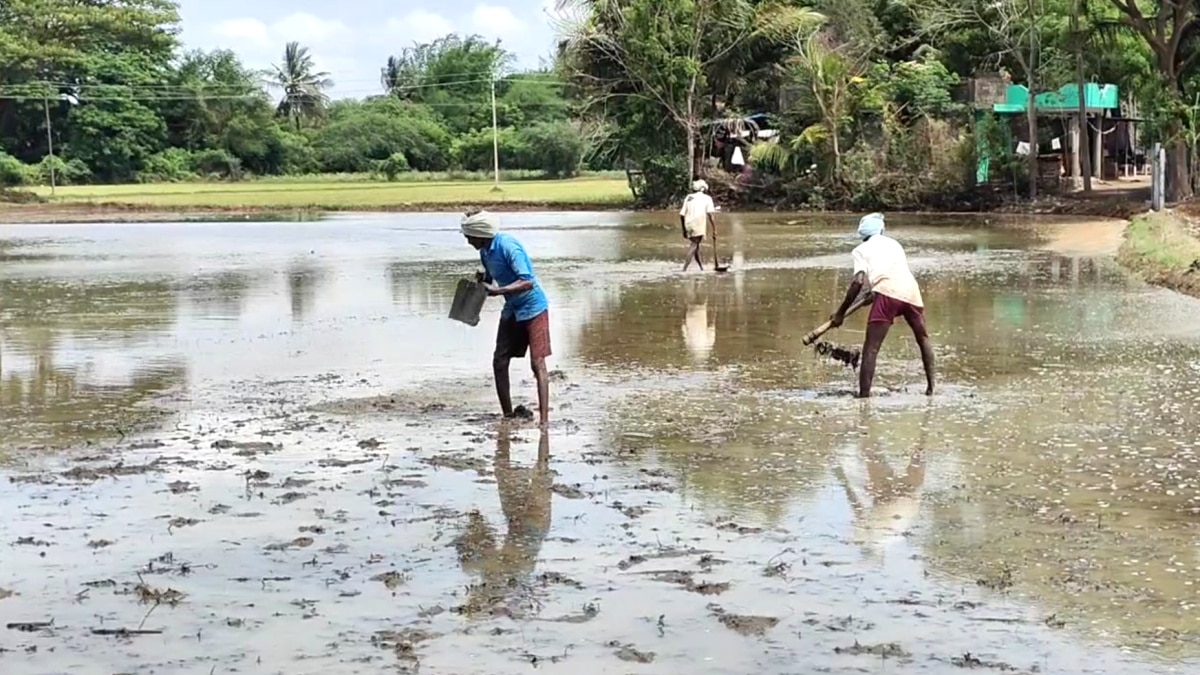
(316, 491)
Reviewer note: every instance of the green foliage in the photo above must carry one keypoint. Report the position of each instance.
(556, 148)
(863, 93)
(664, 180)
(474, 151)
(13, 173)
(358, 135)
(65, 172)
(395, 165)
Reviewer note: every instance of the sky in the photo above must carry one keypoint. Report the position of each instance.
(352, 39)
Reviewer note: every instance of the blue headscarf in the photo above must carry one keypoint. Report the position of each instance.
(870, 225)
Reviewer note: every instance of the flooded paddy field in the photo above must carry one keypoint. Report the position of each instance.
(262, 448)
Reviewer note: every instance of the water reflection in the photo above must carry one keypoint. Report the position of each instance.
(503, 571)
(698, 334)
(303, 279)
(886, 505)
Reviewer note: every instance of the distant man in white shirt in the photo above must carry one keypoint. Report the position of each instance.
(881, 267)
(695, 217)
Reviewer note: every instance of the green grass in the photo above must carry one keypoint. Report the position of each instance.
(342, 194)
(1161, 248)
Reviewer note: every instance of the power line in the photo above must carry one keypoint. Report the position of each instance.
(38, 91)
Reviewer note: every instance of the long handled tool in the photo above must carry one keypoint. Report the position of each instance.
(717, 266)
(846, 355)
(859, 302)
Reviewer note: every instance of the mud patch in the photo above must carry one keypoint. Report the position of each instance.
(628, 652)
(744, 624)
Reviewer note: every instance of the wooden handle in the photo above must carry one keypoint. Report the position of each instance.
(859, 303)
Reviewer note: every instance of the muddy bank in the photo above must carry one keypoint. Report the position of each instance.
(429, 537)
(1164, 249)
(120, 212)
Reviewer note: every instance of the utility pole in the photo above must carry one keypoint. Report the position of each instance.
(495, 138)
(49, 142)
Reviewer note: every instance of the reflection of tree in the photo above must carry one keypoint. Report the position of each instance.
(48, 404)
(221, 294)
(303, 279)
(425, 286)
(525, 502)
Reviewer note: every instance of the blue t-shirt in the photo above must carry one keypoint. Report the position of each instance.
(506, 261)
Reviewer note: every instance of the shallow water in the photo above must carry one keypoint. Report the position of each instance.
(707, 473)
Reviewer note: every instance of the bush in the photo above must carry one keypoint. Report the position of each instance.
(360, 135)
(555, 148)
(474, 151)
(169, 166)
(13, 172)
(66, 172)
(665, 180)
(216, 163)
(298, 154)
(394, 166)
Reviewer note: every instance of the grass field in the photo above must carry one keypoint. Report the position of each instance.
(343, 195)
(1162, 249)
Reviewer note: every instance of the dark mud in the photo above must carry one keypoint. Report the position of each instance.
(322, 494)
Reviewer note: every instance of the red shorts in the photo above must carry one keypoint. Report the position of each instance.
(885, 309)
(514, 337)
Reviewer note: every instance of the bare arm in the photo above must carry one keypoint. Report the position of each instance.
(518, 286)
(855, 289)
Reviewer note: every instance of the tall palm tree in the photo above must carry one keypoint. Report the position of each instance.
(302, 85)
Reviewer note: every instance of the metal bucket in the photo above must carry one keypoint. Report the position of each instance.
(468, 302)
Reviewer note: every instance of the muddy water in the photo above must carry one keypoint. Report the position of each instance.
(264, 446)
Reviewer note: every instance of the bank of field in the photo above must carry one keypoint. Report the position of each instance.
(336, 195)
(1163, 249)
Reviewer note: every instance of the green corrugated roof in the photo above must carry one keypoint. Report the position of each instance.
(1016, 97)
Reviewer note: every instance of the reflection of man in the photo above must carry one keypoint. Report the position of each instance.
(895, 499)
(698, 335)
(525, 501)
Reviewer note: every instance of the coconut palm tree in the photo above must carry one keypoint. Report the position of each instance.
(302, 85)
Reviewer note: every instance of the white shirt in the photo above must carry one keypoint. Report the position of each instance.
(695, 210)
(882, 259)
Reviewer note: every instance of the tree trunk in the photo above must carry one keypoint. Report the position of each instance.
(692, 130)
(1084, 149)
(1031, 121)
(1179, 184)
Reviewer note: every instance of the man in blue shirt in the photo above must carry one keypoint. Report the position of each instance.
(525, 320)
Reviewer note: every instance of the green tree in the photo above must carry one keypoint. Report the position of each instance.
(452, 75)
(96, 64)
(358, 135)
(303, 86)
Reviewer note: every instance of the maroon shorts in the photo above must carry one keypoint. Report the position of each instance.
(885, 309)
(514, 337)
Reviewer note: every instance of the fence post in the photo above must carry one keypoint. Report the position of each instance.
(1157, 174)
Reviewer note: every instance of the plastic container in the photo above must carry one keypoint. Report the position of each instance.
(468, 302)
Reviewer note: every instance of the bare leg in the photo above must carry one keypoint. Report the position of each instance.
(500, 370)
(693, 254)
(543, 389)
(926, 346)
(876, 332)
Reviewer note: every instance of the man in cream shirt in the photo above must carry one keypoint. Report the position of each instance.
(694, 218)
(881, 267)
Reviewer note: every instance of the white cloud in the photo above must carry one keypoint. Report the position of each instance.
(308, 29)
(240, 31)
(417, 26)
(493, 20)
